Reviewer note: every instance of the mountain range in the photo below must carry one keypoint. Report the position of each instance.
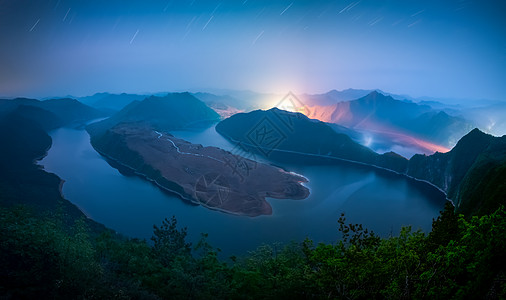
(277, 133)
(23, 134)
(173, 111)
(334, 96)
(384, 114)
(224, 105)
(51, 113)
(445, 118)
(471, 174)
(489, 118)
(111, 102)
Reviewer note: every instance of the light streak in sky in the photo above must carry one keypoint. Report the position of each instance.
(414, 23)
(417, 13)
(209, 21)
(133, 38)
(258, 37)
(33, 27)
(286, 9)
(349, 6)
(375, 21)
(64, 18)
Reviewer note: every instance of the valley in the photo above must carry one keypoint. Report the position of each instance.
(234, 181)
(130, 204)
(252, 149)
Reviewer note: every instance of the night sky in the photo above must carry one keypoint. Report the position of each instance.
(451, 48)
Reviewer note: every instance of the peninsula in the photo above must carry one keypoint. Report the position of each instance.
(207, 176)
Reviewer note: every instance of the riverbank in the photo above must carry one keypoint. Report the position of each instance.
(207, 176)
(274, 151)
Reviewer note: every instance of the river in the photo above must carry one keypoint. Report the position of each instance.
(383, 202)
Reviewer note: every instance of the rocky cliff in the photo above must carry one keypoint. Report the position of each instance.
(473, 173)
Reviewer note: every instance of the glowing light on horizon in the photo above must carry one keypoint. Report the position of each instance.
(395, 135)
(430, 146)
(406, 139)
(291, 103)
(368, 141)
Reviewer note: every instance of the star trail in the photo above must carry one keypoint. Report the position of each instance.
(422, 48)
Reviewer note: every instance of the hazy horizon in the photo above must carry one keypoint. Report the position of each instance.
(472, 102)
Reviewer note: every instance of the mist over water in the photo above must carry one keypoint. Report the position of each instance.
(131, 205)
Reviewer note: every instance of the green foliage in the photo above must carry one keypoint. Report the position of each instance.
(273, 272)
(484, 187)
(473, 264)
(351, 268)
(169, 242)
(27, 260)
(445, 228)
(42, 257)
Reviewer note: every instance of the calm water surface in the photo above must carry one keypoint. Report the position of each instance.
(131, 205)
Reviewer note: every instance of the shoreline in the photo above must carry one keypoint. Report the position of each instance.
(36, 161)
(349, 161)
(185, 199)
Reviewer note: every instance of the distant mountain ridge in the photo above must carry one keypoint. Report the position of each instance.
(51, 113)
(334, 96)
(112, 102)
(225, 105)
(175, 111)
(384, 113)
(489, 118)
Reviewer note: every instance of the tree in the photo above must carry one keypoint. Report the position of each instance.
(170, 242)
(445, 228)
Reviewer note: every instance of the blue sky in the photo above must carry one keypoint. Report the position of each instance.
(451, 49)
